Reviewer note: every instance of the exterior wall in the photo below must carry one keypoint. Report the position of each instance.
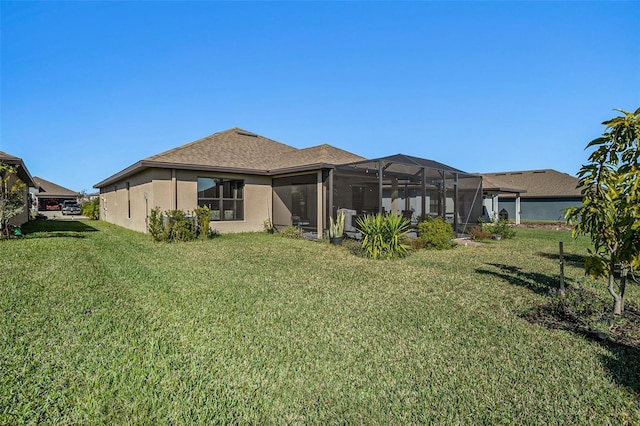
(256, 196)
(539, 208)
(177, 189)
(23, 217)
(127, 207)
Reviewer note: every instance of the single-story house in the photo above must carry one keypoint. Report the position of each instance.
(245, 179)
(50, 196)
(23, 175)
(531, 194)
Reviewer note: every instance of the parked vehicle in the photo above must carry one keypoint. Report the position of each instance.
(52, 205)
(70, 207)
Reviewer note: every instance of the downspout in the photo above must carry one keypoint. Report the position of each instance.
(380, 170)
(424, 194)
(174, 194)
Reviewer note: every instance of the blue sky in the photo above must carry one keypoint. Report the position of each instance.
(89, 88)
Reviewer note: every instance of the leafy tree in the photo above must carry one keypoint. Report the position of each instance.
(11, 196)
(610, 211)
(91, 209)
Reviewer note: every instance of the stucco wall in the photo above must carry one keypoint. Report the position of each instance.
(171, 189)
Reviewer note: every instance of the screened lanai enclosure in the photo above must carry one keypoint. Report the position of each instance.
(409, 186)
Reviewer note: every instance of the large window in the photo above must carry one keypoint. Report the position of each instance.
(224, 197)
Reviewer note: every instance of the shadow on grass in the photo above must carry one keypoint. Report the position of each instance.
(56, 229)
(538, 283)
(623, 364)
(576, 260)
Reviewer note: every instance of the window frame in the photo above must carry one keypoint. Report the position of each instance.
(220, 205)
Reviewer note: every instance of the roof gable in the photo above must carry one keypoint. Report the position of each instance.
(239, 151)
(50, 189)
(233, 148)
(321, 154)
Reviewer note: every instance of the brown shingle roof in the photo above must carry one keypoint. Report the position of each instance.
(237, 150)
(50, 189)
(233, 148)
(537, 183)
(321, 154)
(23, 172)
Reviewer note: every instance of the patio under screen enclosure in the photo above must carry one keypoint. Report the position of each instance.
(400, 184)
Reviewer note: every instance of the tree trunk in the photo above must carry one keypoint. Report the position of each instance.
(623, 285)
(618, 302)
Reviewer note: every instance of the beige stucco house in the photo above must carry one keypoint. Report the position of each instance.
(23, 175)
(245, 179)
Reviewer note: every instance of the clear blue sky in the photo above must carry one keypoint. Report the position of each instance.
(89, 88)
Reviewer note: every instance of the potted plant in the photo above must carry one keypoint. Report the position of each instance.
(268, 226)
(336, 228)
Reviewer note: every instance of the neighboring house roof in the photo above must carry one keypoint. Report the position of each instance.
(23, 172)
(545, 183)
(50, 189)
(237, 150)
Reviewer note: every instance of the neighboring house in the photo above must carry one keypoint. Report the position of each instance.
(245, 178)
(534, 194)
(23, 175)
(50, 196)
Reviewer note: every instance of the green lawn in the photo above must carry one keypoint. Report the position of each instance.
(101, 325)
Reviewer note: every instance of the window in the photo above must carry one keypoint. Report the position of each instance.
(224, 197)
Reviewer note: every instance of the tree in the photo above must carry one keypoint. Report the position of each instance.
(11, 196)
(610, 211)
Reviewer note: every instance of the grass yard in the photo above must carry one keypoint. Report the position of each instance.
(99, 325)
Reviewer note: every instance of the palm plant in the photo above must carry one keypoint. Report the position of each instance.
(383, 235)
(336, 228)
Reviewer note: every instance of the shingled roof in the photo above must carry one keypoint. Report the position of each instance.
(545, 183)
(52, 190)
(240, 151)
(23, 172)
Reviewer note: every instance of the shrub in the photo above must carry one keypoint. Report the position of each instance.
(436, 233)
(500, 227)
(179, 226)
(291, 232)
(336, 228)
(578, 306)
(173, 225)
(91, 209)
(479, 233)
(203, 215)
(415, 243)
(383, 235)
(155, 225)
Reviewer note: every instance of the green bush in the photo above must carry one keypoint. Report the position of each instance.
(203, 215)
(479, 233)
(179, 227)
(436, 233)
(500, 227)
(291, 232)
(383, 235)
(91, 209)
(172, 225)
(155, 225)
